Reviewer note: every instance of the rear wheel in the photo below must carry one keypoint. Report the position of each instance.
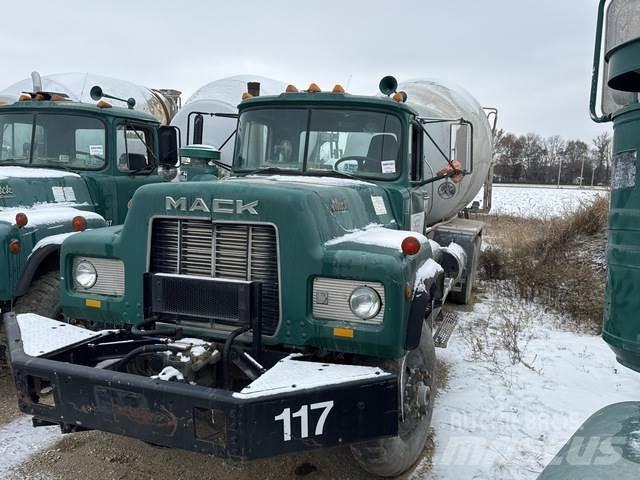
(389, 457)
(43, 297)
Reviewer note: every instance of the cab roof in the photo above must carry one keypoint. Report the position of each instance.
(66, 106)
(326, 99)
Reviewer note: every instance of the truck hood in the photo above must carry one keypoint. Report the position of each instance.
(324, 207)
(26, 187)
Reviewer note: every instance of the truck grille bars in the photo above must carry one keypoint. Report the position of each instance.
(235, 251)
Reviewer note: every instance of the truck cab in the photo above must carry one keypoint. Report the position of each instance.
(64, 167)
(305, 278)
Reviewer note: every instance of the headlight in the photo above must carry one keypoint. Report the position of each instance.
(365, 303)
(85, 274)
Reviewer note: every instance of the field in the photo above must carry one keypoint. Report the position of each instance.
(518, 378)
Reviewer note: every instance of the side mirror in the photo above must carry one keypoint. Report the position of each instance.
(461, 142)
(168, 142)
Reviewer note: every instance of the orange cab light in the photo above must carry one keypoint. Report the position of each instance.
(14, 246)
(410, 246)
(79, 223)
(338, 88)
(21, 219)
(397, 97)
(291, 89)
(314, 88)
(57, 98)
(39, 97)
(103, 104)
(24, 98)
(246, 95)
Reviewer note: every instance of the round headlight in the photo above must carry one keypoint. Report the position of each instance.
(85, 274)
(365, 303)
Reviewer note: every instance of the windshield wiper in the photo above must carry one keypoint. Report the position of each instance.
(272, 170)
(334, 173)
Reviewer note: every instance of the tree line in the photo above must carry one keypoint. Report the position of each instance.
(532, 158)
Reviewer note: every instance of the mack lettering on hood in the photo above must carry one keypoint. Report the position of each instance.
(216, 205)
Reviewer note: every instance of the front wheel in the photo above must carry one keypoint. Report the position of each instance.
(389, 457)
(43, 297)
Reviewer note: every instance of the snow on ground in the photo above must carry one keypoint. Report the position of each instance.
(19, 440)
(496, 420)
(539, 200)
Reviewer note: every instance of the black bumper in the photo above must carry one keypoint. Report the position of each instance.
(206, 420)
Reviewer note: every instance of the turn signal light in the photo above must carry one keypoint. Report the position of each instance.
(314, 88)
(21, 220)
(79, 223)
(410, 246)
(14, 246)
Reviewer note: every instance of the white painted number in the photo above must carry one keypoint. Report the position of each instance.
(303, 414)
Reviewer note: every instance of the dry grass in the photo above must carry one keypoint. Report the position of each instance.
(558, 261)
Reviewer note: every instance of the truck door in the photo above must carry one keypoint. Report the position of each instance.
(136, 144)
(421, 196)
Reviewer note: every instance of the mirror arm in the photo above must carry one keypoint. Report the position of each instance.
(439, 177)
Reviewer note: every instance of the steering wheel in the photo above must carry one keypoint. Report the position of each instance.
(359, 158)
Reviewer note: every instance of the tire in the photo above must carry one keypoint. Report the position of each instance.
(43, 297)
(389, 457)
(463, 297)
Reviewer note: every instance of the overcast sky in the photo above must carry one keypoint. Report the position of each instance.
(531, 59)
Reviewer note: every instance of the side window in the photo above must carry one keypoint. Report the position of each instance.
(132, 147)
(415, 153)
(16, 139)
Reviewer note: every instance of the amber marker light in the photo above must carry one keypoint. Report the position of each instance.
(246, 96)
(410, 246)
(21, 220)
(79, 223)
(291, 89)
(338, 88)
(103, 104)
(14, 246)
(314, 88)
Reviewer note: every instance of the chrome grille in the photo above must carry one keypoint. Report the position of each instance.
(220, 250)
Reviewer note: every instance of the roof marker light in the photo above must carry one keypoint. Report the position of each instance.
(291, 89)
(103, 104)
(338, 88)
(314, 88)
(246, 96)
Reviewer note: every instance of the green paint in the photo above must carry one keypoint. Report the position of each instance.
(308, 213)
(622, 302)
(101, 186)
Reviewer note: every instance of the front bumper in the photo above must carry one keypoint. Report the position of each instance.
(201, 419)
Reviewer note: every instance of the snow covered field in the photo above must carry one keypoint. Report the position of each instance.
(538, 200)
(501, 421)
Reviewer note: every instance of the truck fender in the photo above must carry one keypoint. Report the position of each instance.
(422, 306)
(33, 264)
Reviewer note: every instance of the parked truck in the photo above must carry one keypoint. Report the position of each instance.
(607, 445)
(67, 166)
(294, 304)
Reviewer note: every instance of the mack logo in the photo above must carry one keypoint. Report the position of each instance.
(218, 205)
(6, 191)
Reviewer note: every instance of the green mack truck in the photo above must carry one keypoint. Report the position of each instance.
(294, 304)
(66, 166)
(607, 445)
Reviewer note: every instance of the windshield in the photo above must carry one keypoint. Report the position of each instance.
(54, 140)
(357, 142)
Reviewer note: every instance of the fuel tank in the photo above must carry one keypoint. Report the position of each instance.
(436, 101)
(161, 103)
(220, 96)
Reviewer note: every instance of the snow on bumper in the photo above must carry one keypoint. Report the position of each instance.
(330, 405)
